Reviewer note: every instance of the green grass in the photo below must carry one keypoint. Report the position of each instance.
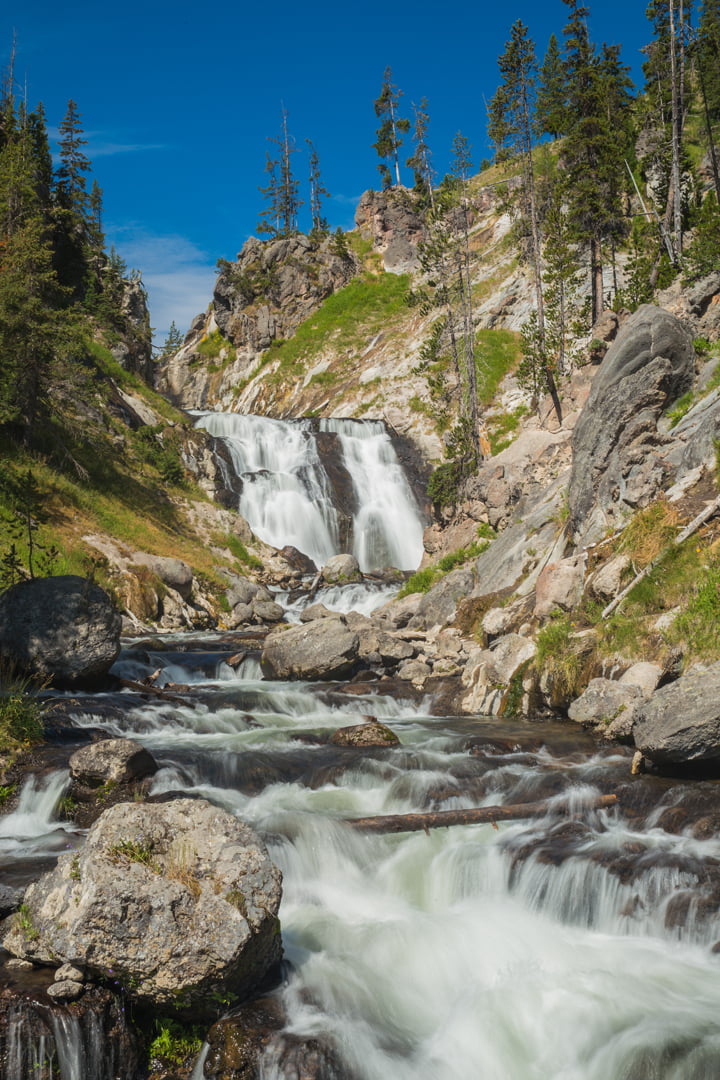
(240, 552)
(496, 353)
(503, 425)
(348, 319)
(423, 580)
(21, 718)
(213, 345)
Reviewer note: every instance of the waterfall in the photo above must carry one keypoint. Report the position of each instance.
(387, 528)
(289, 497)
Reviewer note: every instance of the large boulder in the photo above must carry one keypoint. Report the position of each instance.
(438, 606)
(323, 649)
(341, 570)
(117, 761)
(607, 706)
(65, 628)
(177, 901)
(489, 673)
(680, 724)
(616, 464)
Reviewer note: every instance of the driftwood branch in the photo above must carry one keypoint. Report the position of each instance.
(390, 823)
(690, 528)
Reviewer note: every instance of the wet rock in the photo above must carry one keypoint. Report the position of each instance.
(115, 760)
(62, 627)
(10, 900)
(323, 649)
(371, 733)
(178, 900)
(616, 466)
(297, 560)
(98, 1020)
(65, 990)
(680, 724)
(69, 971)
(237, 1043)
(341, 570)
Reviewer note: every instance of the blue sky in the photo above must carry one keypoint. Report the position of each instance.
(178, 101)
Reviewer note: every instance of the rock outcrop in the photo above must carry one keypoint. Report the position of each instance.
(323, 649)
(117, 761)
(64, 628)
(261, 298)
(177, 900)
(680, 724)
(390, 220)
(616, 467)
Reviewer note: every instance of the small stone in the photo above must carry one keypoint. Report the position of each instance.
(69, 972)
(19, 965)
(638, 764)
(67, 990)
(369, 734)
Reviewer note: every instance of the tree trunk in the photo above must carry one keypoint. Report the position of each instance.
(393, 823)
(596, 273)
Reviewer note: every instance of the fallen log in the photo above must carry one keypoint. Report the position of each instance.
(389, 823)
(153, 691)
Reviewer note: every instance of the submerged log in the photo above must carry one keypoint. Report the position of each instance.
(389, 823)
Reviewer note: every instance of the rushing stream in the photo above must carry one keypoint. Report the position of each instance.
(563, 948)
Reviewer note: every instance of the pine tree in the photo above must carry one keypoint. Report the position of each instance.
(318, 192)
(708, 55)
(592, 155)
(518, 67)
(71, 175)
(173, 341)
(270, 216)
(550, 110)
(282, 192)
(389, 133)
(419, 161)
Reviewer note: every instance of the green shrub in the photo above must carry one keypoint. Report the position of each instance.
(420, 582)
(174, 1044)
(21, 720)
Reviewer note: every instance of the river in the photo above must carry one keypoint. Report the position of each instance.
(570, 947)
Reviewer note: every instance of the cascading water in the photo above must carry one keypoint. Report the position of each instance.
(387, 529)
(287, 495)
(562, 948)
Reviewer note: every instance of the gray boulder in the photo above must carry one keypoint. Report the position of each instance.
(115, 760)
(323, 649)
(608, 707)
(174, 573)
(439, 604)
(370, 733)
(65, 628)
(177, 900)
(616, 465)
(680, 723)
(341, 570)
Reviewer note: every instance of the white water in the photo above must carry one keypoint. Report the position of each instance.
(363, 597)
(287, 496)
(505, 954)
(387, 527)
(33, 830)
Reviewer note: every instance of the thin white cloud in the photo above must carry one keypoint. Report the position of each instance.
(96, 150)
(178, 275)
(98, 144)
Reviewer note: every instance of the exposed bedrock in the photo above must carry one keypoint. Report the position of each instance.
(616, 464)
